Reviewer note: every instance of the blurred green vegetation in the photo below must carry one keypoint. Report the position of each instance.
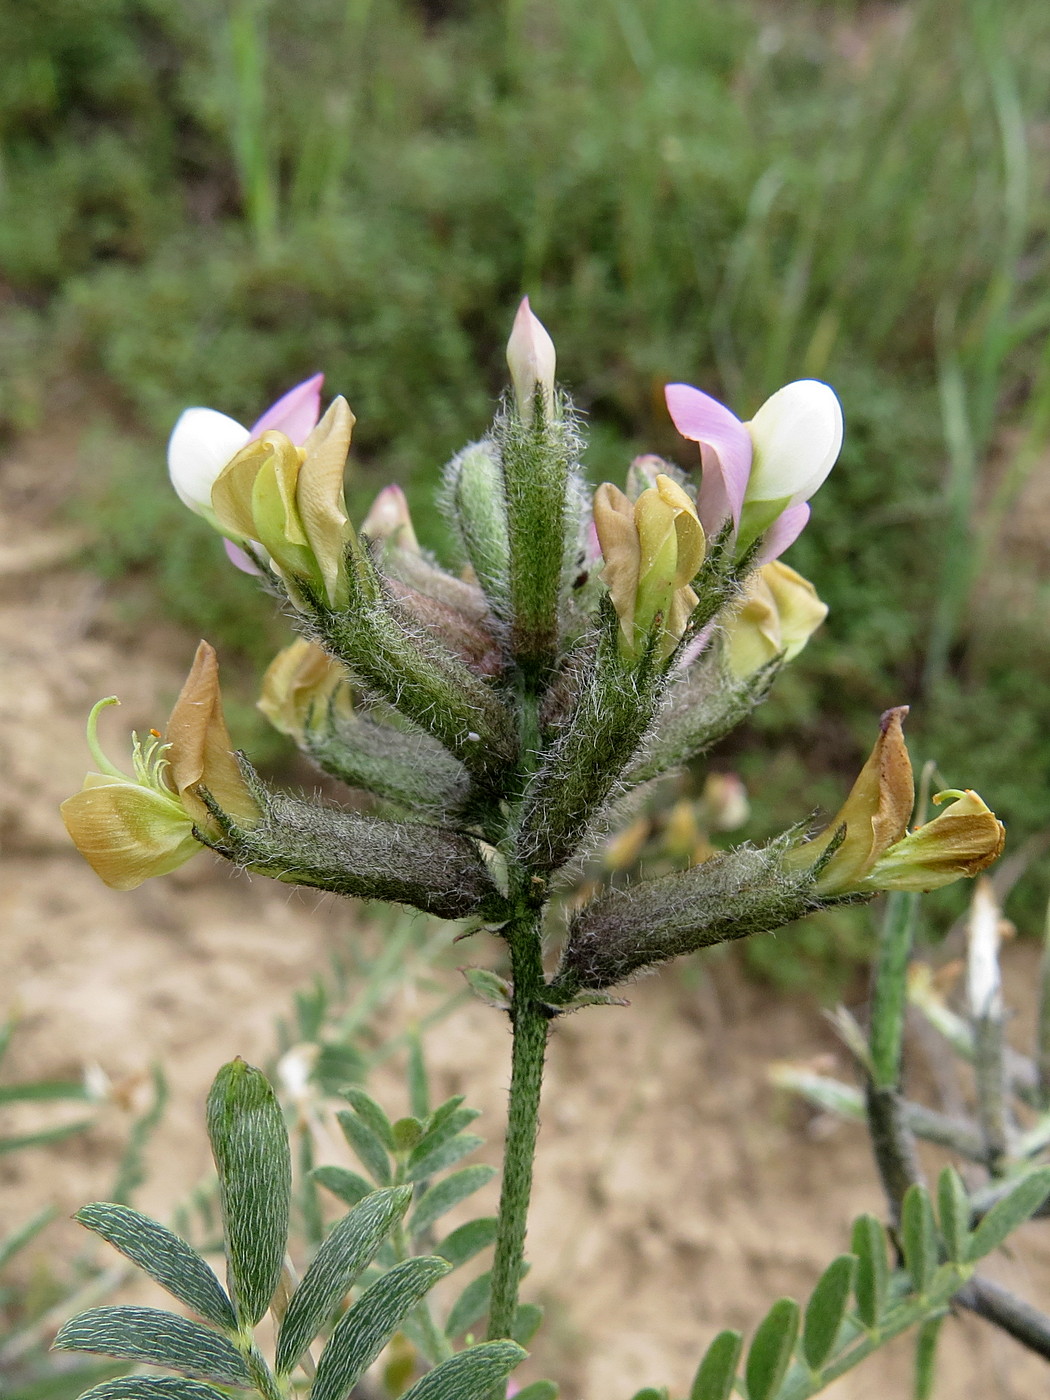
(205, 202)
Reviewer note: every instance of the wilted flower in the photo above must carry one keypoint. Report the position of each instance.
(301, 686)
(531, 359)
(653, 550)
(877, 852)
(129, 828)
(964, 840)
(780, 613)
(761, 474)
(203, 440)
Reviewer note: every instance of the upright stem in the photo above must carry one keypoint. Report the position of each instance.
(529, 1020)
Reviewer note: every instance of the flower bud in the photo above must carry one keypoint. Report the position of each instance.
(531, 358)
(475, 496)
(725, 801)
(301, 688)
(780, 613)
(389, 520)
(653, 550)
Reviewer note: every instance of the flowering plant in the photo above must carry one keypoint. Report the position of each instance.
(500, 717)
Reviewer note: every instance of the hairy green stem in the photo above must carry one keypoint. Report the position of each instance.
(529, 1020)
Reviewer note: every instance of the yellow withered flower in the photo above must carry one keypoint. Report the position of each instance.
(302, 683)
(290, 501)
(779, 614)
(960, 843)
(653, 549)
(877, 851)
(131, 827)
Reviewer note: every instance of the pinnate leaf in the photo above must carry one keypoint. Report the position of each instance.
(250, 1145)
(347, 1185)
(470, 1374)
(919, 1237)
(163, 1255)
(159, 1338)
(469, 1239)
(362, 1332)
(717, 1371)
(344, 1254)
(152, 1388)
(954, 1208)
(872, 1279)
(445, 1123)
(368, 1146)
(1013, 1210)
(770, 1352)
(370, 1112)
(538, 1390)
(448, 1192)
(471, 1305)
(526, 1323)
(826, 1309)
(444, 1155)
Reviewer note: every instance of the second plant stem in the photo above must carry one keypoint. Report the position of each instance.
(530, 1022)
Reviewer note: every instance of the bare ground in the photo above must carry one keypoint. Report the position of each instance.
(676, 1192)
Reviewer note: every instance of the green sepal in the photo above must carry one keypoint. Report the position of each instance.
(152, 1388)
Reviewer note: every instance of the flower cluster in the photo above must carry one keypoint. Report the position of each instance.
(499, 714)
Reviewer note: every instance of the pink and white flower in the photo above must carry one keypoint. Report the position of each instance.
(761, 474)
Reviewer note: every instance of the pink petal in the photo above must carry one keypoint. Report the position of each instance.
(725, 452)
(238, 557)
(783, 532)
(295, 414)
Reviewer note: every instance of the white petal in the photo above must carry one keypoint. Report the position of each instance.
(201, 443)
(797, 435)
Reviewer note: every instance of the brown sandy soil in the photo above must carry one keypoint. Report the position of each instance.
(676, 1193)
